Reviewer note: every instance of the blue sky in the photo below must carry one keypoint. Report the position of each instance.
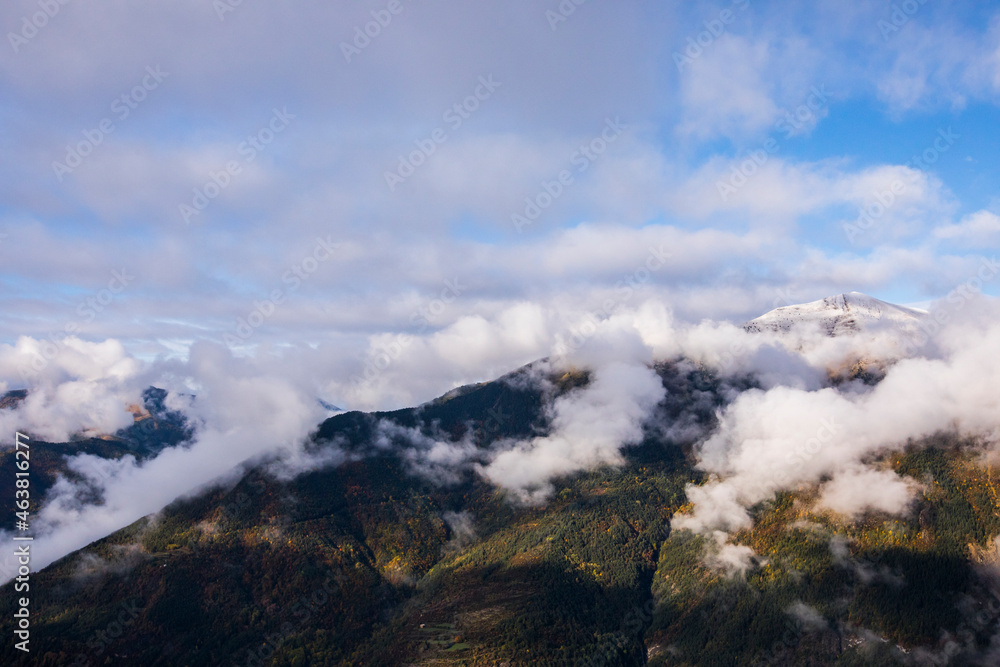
(257, 109)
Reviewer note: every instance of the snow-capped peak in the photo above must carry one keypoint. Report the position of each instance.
(837, 315)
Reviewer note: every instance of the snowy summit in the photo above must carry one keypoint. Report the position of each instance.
(837, 315)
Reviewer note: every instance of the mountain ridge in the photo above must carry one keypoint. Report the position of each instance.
(368, 561)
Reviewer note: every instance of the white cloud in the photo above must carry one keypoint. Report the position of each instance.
(589, 426)
(734, 559)
(76, 386)
(786, 437)
(936, 62)
(724, 91)
(978, 230)
(856, 489)
(242, 412)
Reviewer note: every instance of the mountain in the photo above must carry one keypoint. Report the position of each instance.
(838, 315)
(12, 399)
(155, 428)
(373, 562)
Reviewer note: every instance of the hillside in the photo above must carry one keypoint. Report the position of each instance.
(370, 564)
(382, 552)
(489, 580)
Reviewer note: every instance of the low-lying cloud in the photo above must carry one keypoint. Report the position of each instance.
(786, 436)
(588, 426)
(796, 428)
(241, 411)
